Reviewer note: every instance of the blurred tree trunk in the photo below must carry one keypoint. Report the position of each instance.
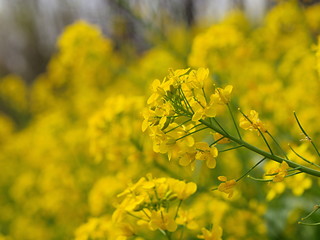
(189, 8)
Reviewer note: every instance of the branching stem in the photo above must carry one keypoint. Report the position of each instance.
(261, 152)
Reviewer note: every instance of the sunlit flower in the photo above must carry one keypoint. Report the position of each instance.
(279, 173)
(162, 220)
(182, 189)
(214, 234)
(206, 153)
(227, 186)
(252, 122)
(224, 94)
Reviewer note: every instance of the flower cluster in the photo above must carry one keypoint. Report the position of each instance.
(153, 203)
(177, 106)
(252, 122)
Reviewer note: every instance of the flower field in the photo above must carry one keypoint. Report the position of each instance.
(212, 133)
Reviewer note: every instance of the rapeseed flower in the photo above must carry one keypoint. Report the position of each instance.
(227, 186)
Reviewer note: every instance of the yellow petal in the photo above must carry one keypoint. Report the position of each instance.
(184, 161)
(211, 163)
(191, 188)
(145, 125)
(197, 116)
(222, 178)
(202, 145)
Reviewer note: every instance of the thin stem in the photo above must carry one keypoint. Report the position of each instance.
(276, 142)
(309, 224)
(316, 208)
(303, 158)
(194, 127)
(156, 193)
(234, 121)
(204, 94)
(262, 135)
(265, 140)
(191, 133)
(216, 121)
(198, 101)
(274, 174)
(259, 179)
(145, 213)
(216, 141)
(292, 174)
(172, 129)
(186, 101)
(181, 234)
(176, 215)
(165, 231)
(140, 218)
(250, 169)
(271, 180)
(305, 133)
(167, 234)
(228, 149)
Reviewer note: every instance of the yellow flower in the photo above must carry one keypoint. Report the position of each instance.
(183, 190)
(187, 218)
(227, 186)
(162, 220)
(197, 78)
(214, 234)
(254, 123)
(202, 109)
(161, 141)
(150, 119)
(126, 230)
(187, 158)
(224, 94)
(279, 172)
(206, 153)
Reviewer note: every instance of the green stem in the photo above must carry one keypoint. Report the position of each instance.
(303, 158)
(195, 126)
(228, 149)
(271, 180)
(140, 218)
(182, 231)
(309, 224)
(259, 179)
(186, 101)
(204, 94)
(216, 121)
(305, 133)
(234, 121)
(172, 129)
(216, 141)
(145, 213)
(168, 235)
(261, 152)
(178, 209)
(191, 133)
(316, 208)
(265, 140)
(262, 135)
(276, 142)
(250, 169)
